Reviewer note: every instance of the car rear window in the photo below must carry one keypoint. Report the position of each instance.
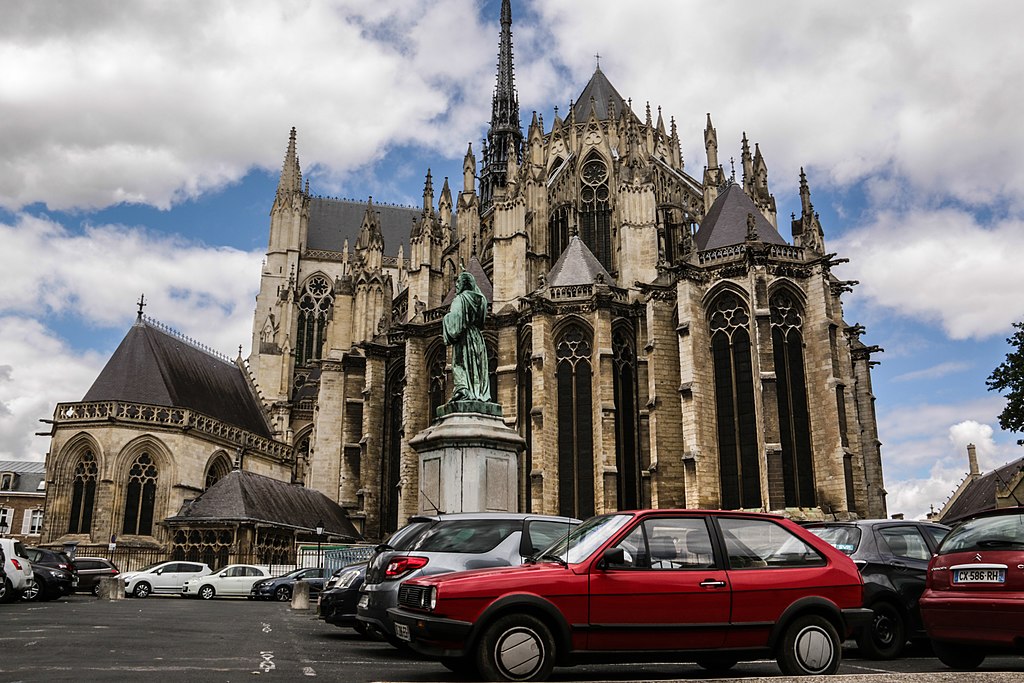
(845, 539)
(406, 537)
(466, 536)
(986, 533)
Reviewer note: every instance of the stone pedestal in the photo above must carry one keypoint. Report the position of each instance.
(300, 595)
(468, 460)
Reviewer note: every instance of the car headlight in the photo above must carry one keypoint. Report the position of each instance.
(432, 598)
(346, 579)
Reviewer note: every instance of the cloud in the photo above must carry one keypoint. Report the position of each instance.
(933, 372)
(939, 266)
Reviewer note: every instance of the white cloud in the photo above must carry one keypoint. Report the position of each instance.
(933, 372)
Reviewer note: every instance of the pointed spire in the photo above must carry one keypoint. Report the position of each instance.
(805, 194)
(291, 175)
(428, 194)
(748, 165)
(711, 143)
(505, 123)
(468, 170)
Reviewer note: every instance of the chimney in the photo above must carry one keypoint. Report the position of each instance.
(972, 458)
(898, 515)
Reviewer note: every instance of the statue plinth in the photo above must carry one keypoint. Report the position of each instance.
(468, 460)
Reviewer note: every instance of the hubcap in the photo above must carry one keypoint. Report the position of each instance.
(520, 652)
(884, 629)
(814, 649)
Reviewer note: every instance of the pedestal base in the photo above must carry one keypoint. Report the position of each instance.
(468, 462)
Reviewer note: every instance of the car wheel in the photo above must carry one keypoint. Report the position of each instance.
(96, 589)
(6, 591)
(886, 635)
(460, 665)
(142, 590)
(716, 665)
(516, 647)
(283, 593)
(34, 593)
(957, 656)
(809, 647)
(207, 592)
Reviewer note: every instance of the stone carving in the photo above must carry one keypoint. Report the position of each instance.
(462, 326)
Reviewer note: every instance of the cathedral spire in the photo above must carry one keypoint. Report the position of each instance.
(505, 132)
(291, 175)
(428, 194)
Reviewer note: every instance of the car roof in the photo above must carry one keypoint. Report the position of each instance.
(1015, 510)
(514, 516)
(871, 523)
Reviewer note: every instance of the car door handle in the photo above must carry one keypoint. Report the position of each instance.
(712, 583)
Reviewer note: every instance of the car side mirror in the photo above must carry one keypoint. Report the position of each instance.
(158, 572)
(613, 556)
(222, 575)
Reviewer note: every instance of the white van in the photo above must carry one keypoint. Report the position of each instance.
(18, 570)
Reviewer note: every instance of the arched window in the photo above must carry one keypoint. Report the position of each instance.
(575, 424)
(492, 368)
(558, 232)
(595, 210)
(218, 468)
(794, 423)
(83, 494)
(140, 496)
(738, 464)
(627, 423)
(391, 473)
(314, 310)
(437, 361)
(524, 381)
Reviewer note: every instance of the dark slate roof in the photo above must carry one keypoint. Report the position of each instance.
(601, 89)
(332, 221)
(482, 281)
(980, 494)
(726, 222)
(154, 367)
(28, 474)
(577, 266)
(242, 496)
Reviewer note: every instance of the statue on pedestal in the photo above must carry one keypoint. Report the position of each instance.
(461, 329)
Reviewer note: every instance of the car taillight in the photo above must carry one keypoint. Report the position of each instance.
(400, 566)
(17, 565)
(114, 573)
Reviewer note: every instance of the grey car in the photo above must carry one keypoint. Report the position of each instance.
(449, 543)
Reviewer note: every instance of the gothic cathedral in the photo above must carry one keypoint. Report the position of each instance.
(652, 335)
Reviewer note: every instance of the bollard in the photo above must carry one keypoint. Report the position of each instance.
(111, 588)
(300, 595)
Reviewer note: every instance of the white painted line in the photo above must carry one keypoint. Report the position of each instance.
(308, 671)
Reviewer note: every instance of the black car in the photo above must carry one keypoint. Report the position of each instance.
(893, 559)
(280, 588)
(91, 570)
(338, 604)
(54, 574)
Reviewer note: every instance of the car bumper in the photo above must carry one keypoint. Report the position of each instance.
(992, 619)
(433, 636)
(856, 618)
(375, 610)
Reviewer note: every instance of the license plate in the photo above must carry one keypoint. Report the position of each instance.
(979, 576)
(74, 582)
(402, 632)
(363, 601)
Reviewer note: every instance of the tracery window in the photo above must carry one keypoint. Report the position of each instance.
(492, 368)
(524, 419)
(140, 496)
(314, 311)
(437, 378)
(627, 422)
(575, 423)
(391, 474)
(212, 546)
(738, 463)
(595, 210)
(794, 422)
(219, 468)
(558, 231)
(83, 494)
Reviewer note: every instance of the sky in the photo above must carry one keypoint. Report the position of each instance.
(140, 146)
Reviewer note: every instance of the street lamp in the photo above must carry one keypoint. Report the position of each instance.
(319, 535)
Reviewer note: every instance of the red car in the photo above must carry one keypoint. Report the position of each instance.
(973, 603)
(714, 587)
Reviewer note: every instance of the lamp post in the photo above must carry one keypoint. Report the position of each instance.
(319, 535)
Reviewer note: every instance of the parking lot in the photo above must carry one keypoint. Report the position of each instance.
(169, 639)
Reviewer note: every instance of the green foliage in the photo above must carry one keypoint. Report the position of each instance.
(1008, 379)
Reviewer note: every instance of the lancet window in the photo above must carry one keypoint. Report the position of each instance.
(595, 210)
(794, 422)
(575, 423)
(391, 474)
(140, 496)
(83, 494)
(314, 312)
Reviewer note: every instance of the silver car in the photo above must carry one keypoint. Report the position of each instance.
(449, 543)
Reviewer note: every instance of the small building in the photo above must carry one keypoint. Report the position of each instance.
(1002, 487)
(22, 499)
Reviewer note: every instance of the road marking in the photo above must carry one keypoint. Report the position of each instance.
(308, 671)
(266, 627)
(268, 661)
(868, 668)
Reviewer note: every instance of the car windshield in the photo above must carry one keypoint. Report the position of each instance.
(587, 537)
(844, 538)
(150, 566)
(986, 533)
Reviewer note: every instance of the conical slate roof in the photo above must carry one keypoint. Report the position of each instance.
(154, 367)
(242, 496)
(577, 266)
(601, 90)
(482, 281)
(726, 222)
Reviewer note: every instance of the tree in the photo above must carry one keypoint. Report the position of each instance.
(1008, 379)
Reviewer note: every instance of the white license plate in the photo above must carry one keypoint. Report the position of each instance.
(402, 632)
(363, 601)
(979, 576)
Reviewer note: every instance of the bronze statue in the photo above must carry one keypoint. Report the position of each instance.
(461, 328)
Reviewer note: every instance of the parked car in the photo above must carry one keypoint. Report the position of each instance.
(893, 559)
(162, 577)
(54, 572)
(714, 586)
(447, 543)
(281, 587)
(18, 569)
(91, 570)
(234, 579)
(973, 604)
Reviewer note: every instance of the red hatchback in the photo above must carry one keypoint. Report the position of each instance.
(714, 587)
(973, 604)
